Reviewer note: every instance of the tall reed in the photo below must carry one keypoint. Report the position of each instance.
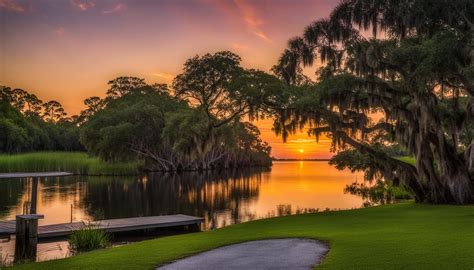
(74, 162)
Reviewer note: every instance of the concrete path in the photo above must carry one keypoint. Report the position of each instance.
(34, 174)
(265, 254)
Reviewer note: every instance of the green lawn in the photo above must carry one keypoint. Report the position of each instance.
(74, 162)
(402, 236)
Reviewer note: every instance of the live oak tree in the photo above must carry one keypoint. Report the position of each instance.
(217, 85)
(169, 135)
(223, 93)
(417, 81)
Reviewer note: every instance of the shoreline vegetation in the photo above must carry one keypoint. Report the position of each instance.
(197, 125)
(405, 236)
(74, 162)
(78, 163)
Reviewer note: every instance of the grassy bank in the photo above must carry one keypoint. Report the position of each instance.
(74, 162)
(403, 236)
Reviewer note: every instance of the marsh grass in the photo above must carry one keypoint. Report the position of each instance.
(88, 238)
(408, 159)
(74, 162)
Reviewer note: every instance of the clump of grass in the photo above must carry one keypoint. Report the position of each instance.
(88, 238)
(74, 162)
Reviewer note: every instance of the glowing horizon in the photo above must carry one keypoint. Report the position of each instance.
(69, 50)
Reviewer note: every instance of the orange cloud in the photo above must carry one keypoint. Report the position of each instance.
(239, 46)
(11, 5)
(168, 77)
(117, 8)
(83, 5)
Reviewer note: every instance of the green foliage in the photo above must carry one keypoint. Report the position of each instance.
(88, 238)
(16, 132)
(381, 192)
(128, 126)
(22, 129)
(168, 134)
(219, 86)
(400, 236)
(74, 162)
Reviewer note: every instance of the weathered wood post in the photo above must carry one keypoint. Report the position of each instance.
(26, 237)
(34, 195)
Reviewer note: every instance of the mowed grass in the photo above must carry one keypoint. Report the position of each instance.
(402, 236)
(74, 162)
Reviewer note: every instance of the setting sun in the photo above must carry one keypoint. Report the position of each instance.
(301, 150)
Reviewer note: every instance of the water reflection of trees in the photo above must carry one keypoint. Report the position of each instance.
(16, 195)
(11, 192)
(222, 198)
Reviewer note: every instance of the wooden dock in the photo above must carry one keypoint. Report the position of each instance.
(34, 174)
(7, 228)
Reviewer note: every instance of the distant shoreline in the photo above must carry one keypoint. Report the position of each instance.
(301, 159)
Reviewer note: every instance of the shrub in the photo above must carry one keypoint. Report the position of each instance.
(88, 238)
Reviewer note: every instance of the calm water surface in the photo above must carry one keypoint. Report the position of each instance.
(222, 198)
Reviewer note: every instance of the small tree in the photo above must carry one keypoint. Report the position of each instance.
(53, 111)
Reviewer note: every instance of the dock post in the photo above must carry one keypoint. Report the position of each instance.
(26, 237)
(34, 195)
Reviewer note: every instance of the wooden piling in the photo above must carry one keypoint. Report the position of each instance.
(26, 237)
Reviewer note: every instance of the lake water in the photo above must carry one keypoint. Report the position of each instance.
(222, 198)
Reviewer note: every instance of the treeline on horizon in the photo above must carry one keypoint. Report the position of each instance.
(198, 124)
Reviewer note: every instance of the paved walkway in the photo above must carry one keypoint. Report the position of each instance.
(265, 254)
(34, 174)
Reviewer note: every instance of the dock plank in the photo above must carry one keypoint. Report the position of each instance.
(57, 230)
(110, 225)
(140, 223)
(7, 227)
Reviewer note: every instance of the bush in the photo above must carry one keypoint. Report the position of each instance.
(88, 238)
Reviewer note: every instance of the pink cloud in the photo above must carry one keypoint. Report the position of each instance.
(59, 31)
(83, 5)
(248, 14)
(11, 5)
(116, 9)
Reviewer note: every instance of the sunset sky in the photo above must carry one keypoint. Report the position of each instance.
(67, 50)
